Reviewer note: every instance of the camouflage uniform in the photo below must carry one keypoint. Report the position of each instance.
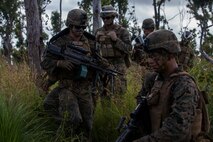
(116, 52)
(138, 55)
(70, 102)
(174, 101)
(186, 56)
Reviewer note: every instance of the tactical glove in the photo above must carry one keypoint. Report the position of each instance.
(104, 63)
(112, 35)
(46, 85)
(98, 35)
(65, 64)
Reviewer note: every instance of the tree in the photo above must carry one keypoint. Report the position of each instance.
(203, 12)
(96, 15)
(20, 52)
(8, 17)
(33, 34)
(157, 13)
(60, 22)
(56, 24)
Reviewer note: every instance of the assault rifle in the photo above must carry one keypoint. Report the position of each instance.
(138, 124)
(78, 56)
(140, 43)
(139, 40)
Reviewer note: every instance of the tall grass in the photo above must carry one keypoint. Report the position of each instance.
(107, 118)
(21, 112)
(19, 123)
(19, 106)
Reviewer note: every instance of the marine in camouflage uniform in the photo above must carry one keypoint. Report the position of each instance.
(114, 44)
(71, 102)
(186, 56)
(174, 101)
(138, 55)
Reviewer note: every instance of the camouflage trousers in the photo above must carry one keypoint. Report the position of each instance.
(72, 104)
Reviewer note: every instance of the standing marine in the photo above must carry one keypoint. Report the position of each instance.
(138, 55)
(70, 103)
(114, 44)
(187, 55)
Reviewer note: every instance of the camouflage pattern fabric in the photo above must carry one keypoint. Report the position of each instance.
(77, 17)
(121, 48)
(51, 104)
(186, 56)
(139, 55)
(72, 98)
(108, 10)
(172, 111)
(76, 106)
(120, 81)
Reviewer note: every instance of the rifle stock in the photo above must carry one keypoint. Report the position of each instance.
(138, 125)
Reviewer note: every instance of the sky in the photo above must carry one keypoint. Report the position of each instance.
(143, 10)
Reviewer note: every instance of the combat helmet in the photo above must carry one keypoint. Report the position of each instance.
(162, 39)
(148, 23)
(108, 10)
(76, 17)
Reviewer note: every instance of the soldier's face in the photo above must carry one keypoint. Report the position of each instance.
(157, 62)
(108, 20)
(78, 30)
(147, 31)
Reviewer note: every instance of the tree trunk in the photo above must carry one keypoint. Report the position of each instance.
(60, 23)
(96, 15)
(33, 34)
(7, 46)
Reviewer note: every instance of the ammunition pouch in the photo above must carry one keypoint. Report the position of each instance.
(82, 72)
(107, 48)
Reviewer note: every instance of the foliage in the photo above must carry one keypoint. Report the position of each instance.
(8, 14)
(157, 4)
(20, 55)
(107, 118)
(20, 123)
(56, 25)
(208, 44)
(202, 72)
(203, 11)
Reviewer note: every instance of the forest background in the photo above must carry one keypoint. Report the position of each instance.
(24, 32)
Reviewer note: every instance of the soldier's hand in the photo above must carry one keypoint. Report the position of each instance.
(45, 86)
(104, 63)
(138, 47)
(65, 64)
(98, 34)
(112, 35)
